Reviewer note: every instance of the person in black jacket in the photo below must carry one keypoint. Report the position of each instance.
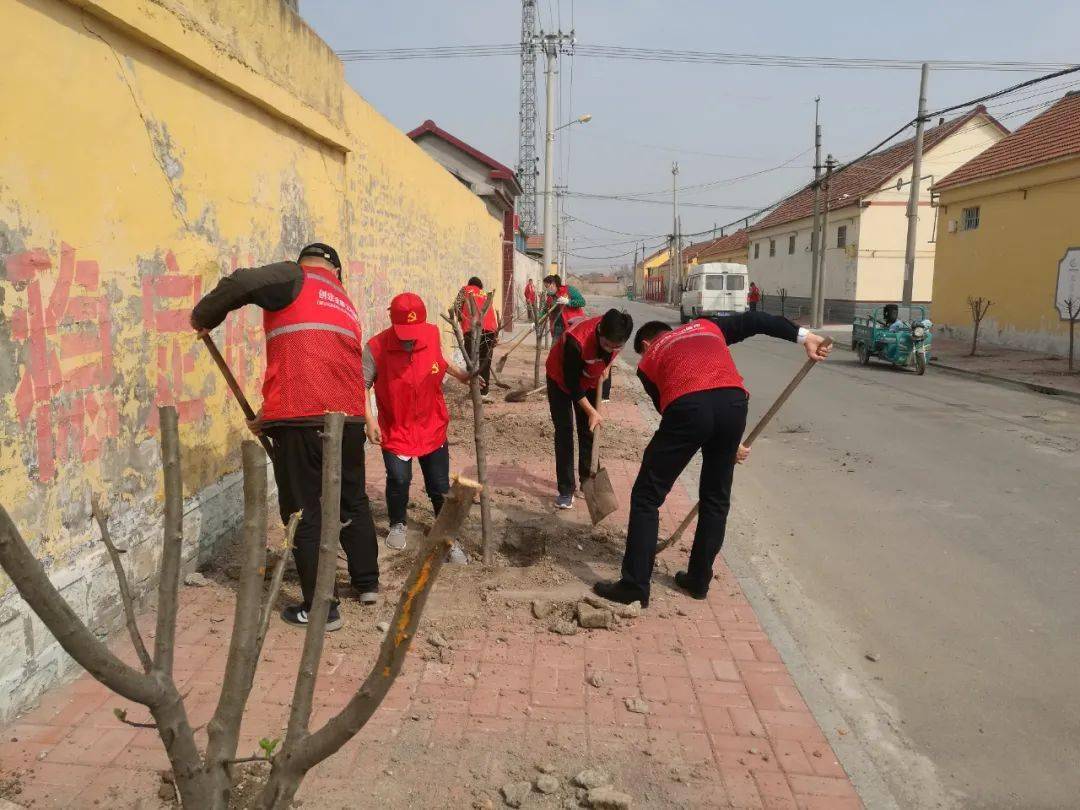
(692, 380)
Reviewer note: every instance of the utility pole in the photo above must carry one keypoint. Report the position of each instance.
(815, 236)
(675, 260)
(819, 306)
(913, 197)
(553, 45)
(527, 119)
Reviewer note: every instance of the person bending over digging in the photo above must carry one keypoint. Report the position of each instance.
(578, 361)
(405, 367)
(314, 350)
(694, 384)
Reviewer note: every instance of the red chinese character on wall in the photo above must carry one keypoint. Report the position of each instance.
(65, 384)
(244, 344)
(166, 303)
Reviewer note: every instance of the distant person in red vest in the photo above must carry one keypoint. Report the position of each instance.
(694, 384)
(489, 328)
(753, 296)
(314, 365)
(579, 361)
(405, 367)
(530, 300)
(563, 303)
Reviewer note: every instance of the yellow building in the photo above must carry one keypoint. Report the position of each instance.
(649, 277)
(1008, 230)
(147, 149)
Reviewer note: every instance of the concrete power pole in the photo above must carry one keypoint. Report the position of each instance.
(553, 45)
(815, 236)
(823, 247)
(913, 197)
(675, 260)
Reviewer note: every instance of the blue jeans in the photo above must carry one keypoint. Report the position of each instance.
(435, 467)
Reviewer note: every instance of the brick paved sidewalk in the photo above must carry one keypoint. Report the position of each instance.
(726, 726)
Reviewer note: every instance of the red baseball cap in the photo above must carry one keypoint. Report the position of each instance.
(408, 316)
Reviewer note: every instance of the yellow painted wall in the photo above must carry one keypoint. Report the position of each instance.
(147, 148)
(1027, 221)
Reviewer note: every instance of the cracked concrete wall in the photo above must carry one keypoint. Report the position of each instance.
(142, 158)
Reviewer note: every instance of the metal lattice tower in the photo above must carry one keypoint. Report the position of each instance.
(527, 168)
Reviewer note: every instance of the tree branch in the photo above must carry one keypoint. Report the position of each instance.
(294, 761)
(35, 588)
(324, 583)
(276, 577)
(243, 658)
(121, 579)
(172, 545)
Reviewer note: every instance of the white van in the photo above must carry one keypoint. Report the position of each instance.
(716, 288)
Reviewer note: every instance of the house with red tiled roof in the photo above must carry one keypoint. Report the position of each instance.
(867, 224)
(729, 248)
(1009, 230)
(498, 186)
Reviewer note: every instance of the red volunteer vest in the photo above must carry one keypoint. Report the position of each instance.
(408, 387)
(489, 324)
(314, 353)
(567, 313)
(691, 358)
(583, 332)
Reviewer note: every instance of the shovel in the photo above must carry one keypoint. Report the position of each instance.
(749, 440)
(518, 341)
(599, 494)
(522, 394)
(234, 386)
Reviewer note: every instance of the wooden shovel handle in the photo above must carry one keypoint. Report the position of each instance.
(594, 463)
(234, 386)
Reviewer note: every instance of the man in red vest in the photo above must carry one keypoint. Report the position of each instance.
(565, 303)
(578, 362)
(314, 365)
(489, 327)
(405, 367)
(753, 296)
(530, 301)
(692, 380)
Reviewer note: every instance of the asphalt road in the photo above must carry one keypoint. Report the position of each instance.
(933, 524)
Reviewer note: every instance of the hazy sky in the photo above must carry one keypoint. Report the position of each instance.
(718, 121)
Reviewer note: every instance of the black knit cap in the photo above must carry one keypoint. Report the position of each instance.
(321, 251)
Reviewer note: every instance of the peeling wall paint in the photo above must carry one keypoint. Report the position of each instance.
(132, 177)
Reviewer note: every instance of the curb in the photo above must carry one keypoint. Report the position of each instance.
(1007, 382)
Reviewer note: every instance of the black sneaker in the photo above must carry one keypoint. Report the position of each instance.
(296, 615)
(682, 579)
(621, 592)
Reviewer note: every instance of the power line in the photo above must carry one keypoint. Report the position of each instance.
(621, 198)
(1064, 72)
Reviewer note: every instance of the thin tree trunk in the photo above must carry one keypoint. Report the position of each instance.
(1072, 338)
(172, 545)
(290, 766)
(245, 643)
(310, 657)
(974, 339)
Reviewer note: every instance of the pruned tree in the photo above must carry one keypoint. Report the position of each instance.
(979, 307)
(782, 295)
(1072, 309)
(205, 779)
(471, 354)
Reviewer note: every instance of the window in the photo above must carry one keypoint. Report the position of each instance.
(714, 282)
(757, 250)
(971, 218)
(841, 236)
(791, 245)
(772, 247)
(736, 282)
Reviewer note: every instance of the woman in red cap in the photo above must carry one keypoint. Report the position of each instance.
(405, 367)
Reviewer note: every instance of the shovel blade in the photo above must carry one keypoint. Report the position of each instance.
(599, 495)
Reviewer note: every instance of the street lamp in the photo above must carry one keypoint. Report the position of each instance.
(549, 172)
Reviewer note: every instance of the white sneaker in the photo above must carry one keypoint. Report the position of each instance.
(396, 538)
(457, 556)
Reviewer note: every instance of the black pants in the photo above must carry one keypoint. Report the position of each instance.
(487, 346)
(564, 413)
(712, 421)
(436, 469)
(753, 306)
(298, 472)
